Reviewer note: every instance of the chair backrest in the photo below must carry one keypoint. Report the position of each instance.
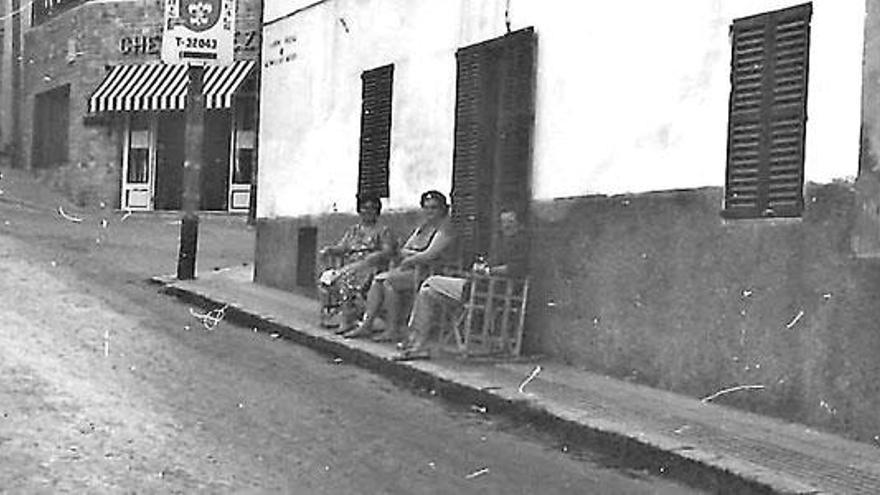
(494, 315)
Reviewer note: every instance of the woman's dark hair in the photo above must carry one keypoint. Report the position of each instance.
(367, 199)
(436, 196)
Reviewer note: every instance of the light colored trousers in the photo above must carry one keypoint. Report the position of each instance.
(434, 291)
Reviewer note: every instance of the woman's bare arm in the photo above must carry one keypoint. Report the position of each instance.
(439, 243)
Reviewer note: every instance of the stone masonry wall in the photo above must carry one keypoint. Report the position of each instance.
(77, 47)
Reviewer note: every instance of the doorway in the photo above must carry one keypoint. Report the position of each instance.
(138, 163)
(50, 128)
(215, 160)
(153, 162)
(170, 153)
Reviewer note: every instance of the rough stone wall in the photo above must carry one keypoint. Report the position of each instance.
(76, 47)
(658, 289)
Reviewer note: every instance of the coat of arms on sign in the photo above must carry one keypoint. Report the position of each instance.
(199, 15)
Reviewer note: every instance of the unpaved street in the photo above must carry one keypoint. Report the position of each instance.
(107, 386)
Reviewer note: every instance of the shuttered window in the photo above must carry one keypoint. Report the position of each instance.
(375, 131)
(471, 154)
(494, 120)
(767, 120)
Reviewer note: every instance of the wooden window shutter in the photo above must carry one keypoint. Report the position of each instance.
(471, 154)
(767, 121)
(494, 121)
(516, 119)
(375, 131)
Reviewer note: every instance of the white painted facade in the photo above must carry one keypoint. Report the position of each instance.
(631, 96)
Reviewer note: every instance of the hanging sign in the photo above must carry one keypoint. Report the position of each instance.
(198, 32)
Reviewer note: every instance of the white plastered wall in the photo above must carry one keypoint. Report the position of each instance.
(631, 96)
(311, 105)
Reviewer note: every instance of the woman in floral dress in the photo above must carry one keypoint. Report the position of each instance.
(364, 249)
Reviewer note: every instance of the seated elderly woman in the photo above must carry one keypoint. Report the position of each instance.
(430, 242)
(365, 249)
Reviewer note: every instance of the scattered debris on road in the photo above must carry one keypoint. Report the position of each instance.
(477, 473)
(719, 393)
(529, 378)
(212, 318)
(68, 217)
(795, 320)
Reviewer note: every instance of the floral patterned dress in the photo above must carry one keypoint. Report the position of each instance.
(358, 242)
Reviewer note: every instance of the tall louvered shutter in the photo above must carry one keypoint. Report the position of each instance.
(472, 161)
(516, 117)
(494, 120)
(375, 131)
(767, 123)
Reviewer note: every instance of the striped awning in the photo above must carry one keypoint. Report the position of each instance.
(163, 87)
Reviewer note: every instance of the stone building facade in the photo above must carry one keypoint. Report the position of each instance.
(63, 51)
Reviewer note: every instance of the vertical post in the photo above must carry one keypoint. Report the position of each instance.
(192, 168)
(252, 203)
(16, 160)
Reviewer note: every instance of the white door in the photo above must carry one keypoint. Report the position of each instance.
(138, 163)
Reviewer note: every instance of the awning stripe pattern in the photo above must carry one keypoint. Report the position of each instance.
(137, 87)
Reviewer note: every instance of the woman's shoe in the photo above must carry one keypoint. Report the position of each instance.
(362, 330)
(348, 324)
(345, 329)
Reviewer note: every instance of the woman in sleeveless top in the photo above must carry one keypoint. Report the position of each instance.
(429, 242)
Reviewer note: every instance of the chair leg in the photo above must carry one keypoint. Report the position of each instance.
(460, 342)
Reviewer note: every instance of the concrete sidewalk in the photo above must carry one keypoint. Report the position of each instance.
(739, 451)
